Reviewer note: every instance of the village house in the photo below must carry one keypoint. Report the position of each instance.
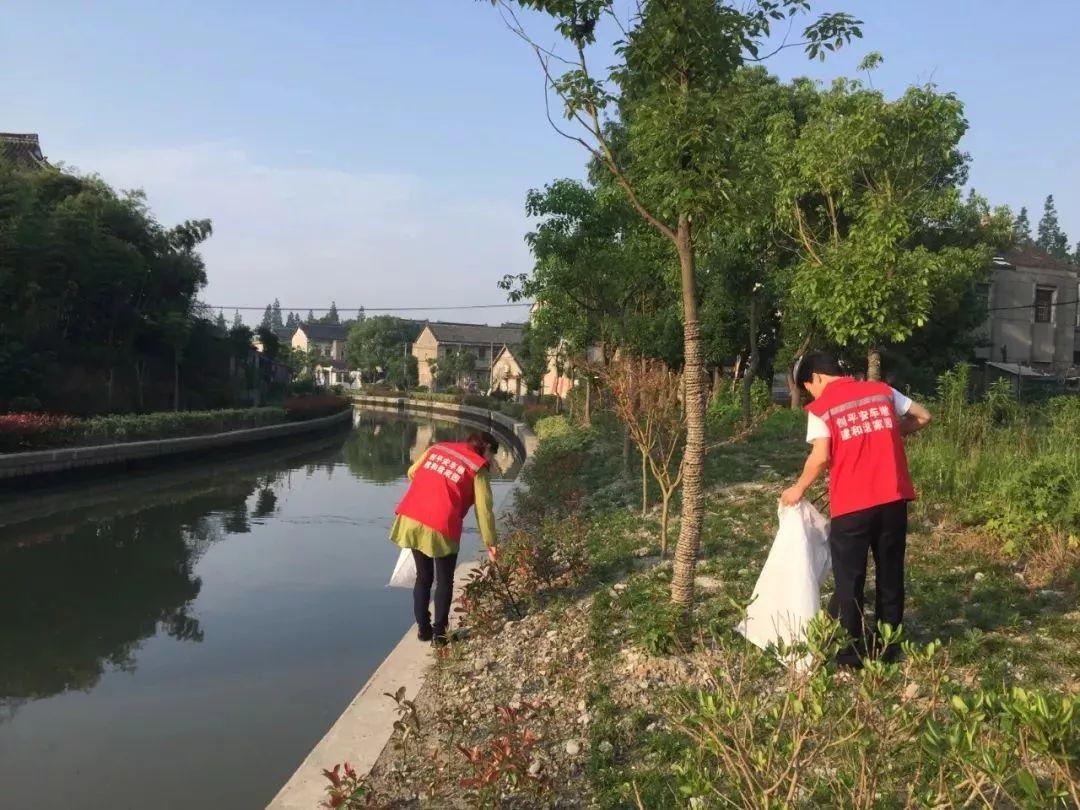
(483, 343)
(328, 341)
(1033, 319)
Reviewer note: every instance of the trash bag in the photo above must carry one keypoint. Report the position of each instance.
(787, 594)
(404, 575)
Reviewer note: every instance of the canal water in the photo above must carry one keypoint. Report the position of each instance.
(182, 638)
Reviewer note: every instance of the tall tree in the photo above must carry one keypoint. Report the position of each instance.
(360, 314)
(1021, 228)
(868, 183)
(1051, 238)
(675, 61)
(310, 316)
(275, 316)
(237, 321)
(220, 322)
(332, 315)
(267, 321)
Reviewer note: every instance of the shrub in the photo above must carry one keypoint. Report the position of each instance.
(552, 426)
(512, 409)
(302, 387)
(22, 432)
(534, 413)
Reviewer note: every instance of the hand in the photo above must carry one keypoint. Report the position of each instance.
(791, 496)
(491, 553)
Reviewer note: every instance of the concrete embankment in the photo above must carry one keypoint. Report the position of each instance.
(367, 724)
(20, 467)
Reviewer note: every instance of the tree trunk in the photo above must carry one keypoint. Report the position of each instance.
(109, 390)
(686, 548)
(793, 389)
(717, 381)
(176, 380)
(644, 484)
(139, 372)
(751, 366)
(665, 505)
(588, 401)
(873, 364)
(626, 450)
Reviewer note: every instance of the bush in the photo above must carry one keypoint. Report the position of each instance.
(512, 409)
(534, 413)
(301, 387)
(421, 389)
(552, 426)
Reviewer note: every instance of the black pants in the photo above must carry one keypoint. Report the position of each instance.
(882, 531)
(441, 571)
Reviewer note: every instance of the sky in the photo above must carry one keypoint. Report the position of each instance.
(377, 153)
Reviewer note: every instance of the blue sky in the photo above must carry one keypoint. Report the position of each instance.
(378, 152)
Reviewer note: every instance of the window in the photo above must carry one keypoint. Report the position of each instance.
(1044, 304)
(985, 297)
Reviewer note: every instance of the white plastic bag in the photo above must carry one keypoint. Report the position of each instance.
(788, 590)
(404, 575)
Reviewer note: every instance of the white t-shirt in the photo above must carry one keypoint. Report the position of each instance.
(817, 429)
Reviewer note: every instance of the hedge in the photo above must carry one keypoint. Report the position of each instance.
(21, 432)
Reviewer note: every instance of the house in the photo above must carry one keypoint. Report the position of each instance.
(1033, 318)
(22, 150)
(328, 339)
(438, 339)
(507, 374)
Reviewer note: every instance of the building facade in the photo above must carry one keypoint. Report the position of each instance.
(1033, 318)
(482, 343)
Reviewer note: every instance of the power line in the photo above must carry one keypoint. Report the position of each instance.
(371, 309)
(1032, 306)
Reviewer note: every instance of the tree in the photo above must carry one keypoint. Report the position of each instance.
(668, 90)
(268, 339)
(360, 314)
(1051, 238)
(1076, 255)
(275, 316)
(868, 184)
(332, 315)
(292, 321)
(1021, 228)
(237, 321)
(267, 321)
(220, 322)
(310, 316)
(456, 367)
(646, 394)
(381, 344)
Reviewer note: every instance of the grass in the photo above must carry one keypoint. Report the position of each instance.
(688, 714)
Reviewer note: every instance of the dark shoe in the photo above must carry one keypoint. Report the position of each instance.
(424, 633)
(440, 638)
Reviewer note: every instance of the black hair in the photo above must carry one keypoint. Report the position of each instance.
(481, 442)
(816, 363)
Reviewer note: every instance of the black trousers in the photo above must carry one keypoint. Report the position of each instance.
(439, 570)
(882, 531)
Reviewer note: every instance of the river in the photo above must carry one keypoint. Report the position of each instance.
(182, 638)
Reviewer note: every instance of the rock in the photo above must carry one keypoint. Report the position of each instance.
(911, 691)
(979, 576)
(584, 719)
(573, 747)
(552, 634)
(642, 552)
(619, 587)
(605, 747)
(581, 706)
(535, 767)
(706, 583)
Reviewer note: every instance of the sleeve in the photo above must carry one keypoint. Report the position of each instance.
(416, 465)
(815, 428)
(485, 508)
(901, 403)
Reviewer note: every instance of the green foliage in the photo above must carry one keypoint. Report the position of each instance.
(1021, 228)
(379, 346)
(1013, 469)
(552, 427)
(97, 298)
(872, 190)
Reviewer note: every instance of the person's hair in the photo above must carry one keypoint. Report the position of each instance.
(816, 363)
(481, 442)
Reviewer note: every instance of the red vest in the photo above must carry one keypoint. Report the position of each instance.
(441, 491)
(868, 466)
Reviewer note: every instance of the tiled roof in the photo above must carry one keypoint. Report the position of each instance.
(1026, 254)
(475, 334)
(325, 331)
(21, 149)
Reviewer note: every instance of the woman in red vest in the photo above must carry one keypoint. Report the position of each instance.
(856, 430)
(445, 482)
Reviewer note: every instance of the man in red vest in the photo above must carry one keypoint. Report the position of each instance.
(856, 431)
